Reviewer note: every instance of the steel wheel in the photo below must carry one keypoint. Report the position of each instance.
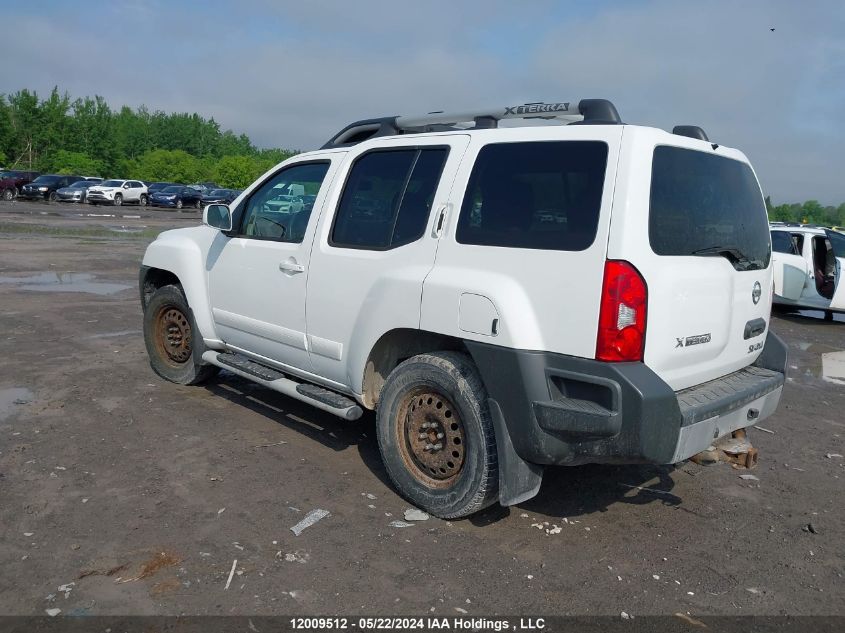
(172, 335)
(431, 438)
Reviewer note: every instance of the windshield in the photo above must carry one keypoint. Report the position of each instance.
(6, 174)
(171, 190)
(707, 205)
(45, 180)
(112, 183)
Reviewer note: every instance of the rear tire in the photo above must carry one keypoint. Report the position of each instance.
(142, 201)
(169, 330)
(436, 435)
(179, 204)
(198, 204)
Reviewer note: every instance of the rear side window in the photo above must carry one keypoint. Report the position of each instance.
(538, 195)
(703, 204)
(387, 198)
(782, 243)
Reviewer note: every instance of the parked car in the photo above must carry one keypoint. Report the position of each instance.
(153, 187)
(220, 196)
(76, 192)
(118, 192)
(46, 187)
(12, 180)
(490, 343)
(176, 197)
(808, 265)
(204, 186)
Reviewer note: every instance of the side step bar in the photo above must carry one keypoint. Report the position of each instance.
(321, 398)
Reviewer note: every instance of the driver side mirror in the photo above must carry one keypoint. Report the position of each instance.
(217, 216)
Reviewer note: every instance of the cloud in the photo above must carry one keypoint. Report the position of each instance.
(291, 74)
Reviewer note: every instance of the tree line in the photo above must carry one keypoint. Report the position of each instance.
(86, 136)
(809, 212)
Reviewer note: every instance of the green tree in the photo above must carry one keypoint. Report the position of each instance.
(236, 172)
(169, 165)
(79, 163)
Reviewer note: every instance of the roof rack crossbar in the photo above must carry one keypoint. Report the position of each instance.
(585, 111)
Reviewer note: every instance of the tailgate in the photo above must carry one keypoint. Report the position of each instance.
(702, 245)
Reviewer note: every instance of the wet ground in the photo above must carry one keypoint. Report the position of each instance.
(123, 494)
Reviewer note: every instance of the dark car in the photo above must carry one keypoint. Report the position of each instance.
(220, 196)
(12, 180)
(78, 191)
(46, 187)
(153, 187)
(176, 197)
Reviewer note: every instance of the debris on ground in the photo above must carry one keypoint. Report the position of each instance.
(368, 495)
(691, 621)
(297, 557)
(66, 589)
(414, 514)
(310, 519)
(459, 610)
(101, 572)
(832, 455)
(811, 528)
(269, 445)
(156, 563)
(749, 477)
(221, 511)
(760, 428)
(231, 573)
(53, 612)
(400, 524)
(624, 616)
(753, 590)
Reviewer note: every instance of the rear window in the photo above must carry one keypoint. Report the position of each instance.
(703, 204)
(538, 195)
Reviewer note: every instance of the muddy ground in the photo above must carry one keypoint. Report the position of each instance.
(123, 494)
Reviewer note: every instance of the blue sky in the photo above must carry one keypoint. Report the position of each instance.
(291, 73)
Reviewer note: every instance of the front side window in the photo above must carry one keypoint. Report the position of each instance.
(387, 198)
(705, 205)
(276, 210)
(536, 195)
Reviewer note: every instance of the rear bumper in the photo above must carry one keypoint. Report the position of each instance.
(564, 410)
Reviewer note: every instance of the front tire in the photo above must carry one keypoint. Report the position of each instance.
(118, 199)
(8, 195)
(179, 204)
(436, 435)
(169, 330)
(52, 196)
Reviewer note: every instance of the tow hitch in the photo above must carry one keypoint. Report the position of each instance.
(736, 450)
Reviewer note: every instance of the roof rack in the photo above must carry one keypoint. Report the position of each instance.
(587, 111)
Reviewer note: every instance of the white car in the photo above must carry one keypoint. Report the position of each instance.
(427, 283)
(118, 192)
(808, 264)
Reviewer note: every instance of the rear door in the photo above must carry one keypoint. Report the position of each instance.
(693, 221)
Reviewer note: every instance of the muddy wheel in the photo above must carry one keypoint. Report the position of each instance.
(436, 437)
(8, 194)
(118, 199)
(169, 334)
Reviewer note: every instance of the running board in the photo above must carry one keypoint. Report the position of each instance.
(321, 398)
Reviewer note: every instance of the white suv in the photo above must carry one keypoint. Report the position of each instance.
(808, 264)
(117, 192)
(503, 298)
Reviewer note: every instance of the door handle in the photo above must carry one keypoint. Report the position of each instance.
(290, 266)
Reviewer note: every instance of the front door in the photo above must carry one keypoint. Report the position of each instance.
(257, 274)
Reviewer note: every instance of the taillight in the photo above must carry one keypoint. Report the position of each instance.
(622, 318)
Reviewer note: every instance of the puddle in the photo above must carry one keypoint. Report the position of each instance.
(11, 398)
(126, 229)
(65, 282)
(833, 367)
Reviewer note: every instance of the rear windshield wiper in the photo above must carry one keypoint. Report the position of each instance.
(733, 254)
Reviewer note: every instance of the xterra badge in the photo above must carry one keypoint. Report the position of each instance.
(756, 292)
(698, 339)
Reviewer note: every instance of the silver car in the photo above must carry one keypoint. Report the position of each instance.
(77, 192)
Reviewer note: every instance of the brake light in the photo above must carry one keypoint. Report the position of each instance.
(622, 318)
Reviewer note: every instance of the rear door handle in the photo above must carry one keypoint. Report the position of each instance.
(290, 266)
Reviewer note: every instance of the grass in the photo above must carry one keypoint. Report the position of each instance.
(58, 231)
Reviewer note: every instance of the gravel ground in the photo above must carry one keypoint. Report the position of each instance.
(123, 494)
